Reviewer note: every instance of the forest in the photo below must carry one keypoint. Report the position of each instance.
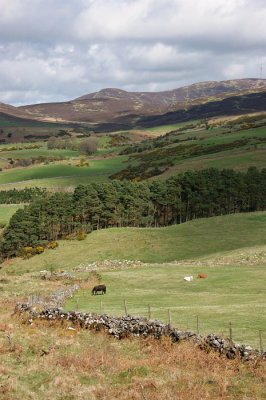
(15, 196)
(186, 196)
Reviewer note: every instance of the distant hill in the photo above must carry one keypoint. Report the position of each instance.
(123, 109)
(236, 105)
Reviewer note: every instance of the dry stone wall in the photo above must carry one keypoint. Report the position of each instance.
(57, 299)
(121, 327)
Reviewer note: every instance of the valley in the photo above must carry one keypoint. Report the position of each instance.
(173, 186)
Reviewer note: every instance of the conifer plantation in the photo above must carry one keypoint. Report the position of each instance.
(181, 198)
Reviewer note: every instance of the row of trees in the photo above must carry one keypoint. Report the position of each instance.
(123, 203)
(87, 145)
(27, 195)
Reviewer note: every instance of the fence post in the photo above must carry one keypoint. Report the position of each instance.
(261, 345)
(197, 324)
(169, 318)
(149, 311)
(125, 305)
(230, 332)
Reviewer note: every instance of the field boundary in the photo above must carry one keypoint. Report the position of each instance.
(122, 327)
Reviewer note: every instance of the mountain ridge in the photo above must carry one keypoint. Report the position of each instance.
(112, 105)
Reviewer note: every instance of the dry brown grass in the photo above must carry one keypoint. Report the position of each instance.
(50, 361)
(43, 361)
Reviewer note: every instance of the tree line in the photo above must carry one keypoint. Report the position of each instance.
(87, 145)
(186, 196)
(27, 195)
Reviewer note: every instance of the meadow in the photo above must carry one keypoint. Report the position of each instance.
(61, 174)
(219, 146)
(233, 291)
(6, 212)
(233, 294)
(191, 240)
(41, 360)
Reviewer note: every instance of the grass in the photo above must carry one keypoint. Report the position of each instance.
(230, 293)
(201, 148)
(239, 160)
(61, 174)
(194, 239)
(81, 364)
(47, 360)
(234, 294)
(43, 151)
(162, 129)
(6, 212)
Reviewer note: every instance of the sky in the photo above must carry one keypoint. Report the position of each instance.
(57, 50)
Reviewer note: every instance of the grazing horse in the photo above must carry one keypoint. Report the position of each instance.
(99, 289)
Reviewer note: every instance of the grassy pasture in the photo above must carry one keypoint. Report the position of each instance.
(162, 129)
(230, 249)
(36, 359)
(233, 292)
(238, 160)
(42, 151)
(192, 240)
(63, 174)
(51, 361)
(6, 212)
(60, 175)
(230, 293)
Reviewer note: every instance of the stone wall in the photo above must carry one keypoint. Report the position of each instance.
(121, 327)
(57, 299)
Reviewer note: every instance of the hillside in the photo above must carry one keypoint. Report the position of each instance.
(236, 142)
(115, 106)
(230, 249)
(121, 107)
(65, 362)
(192, 240)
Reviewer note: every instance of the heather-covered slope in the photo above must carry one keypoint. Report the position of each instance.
(119, 106)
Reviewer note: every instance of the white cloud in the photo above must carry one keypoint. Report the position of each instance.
(57, 49)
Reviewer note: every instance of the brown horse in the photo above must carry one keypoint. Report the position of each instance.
(101, 289)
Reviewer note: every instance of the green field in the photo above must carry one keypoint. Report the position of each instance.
(42, 151)
(60, 175)
(6, 212)
(245, 148)
(195, 149)
(191, 240)
(233, 294)
(238, 160)
(161, 130)
(230, 249)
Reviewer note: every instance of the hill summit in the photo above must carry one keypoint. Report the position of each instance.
(118, 106)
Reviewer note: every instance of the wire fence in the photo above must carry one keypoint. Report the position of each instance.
(233, 329)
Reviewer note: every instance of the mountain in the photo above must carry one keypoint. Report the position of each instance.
(7, 110)
(231, 106)
(119, 108)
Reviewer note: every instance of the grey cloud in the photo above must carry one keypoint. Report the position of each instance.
(55, 50)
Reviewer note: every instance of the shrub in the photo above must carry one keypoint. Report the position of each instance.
(27, 252)
(81, 235)
(52, 245)
(39, 249)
